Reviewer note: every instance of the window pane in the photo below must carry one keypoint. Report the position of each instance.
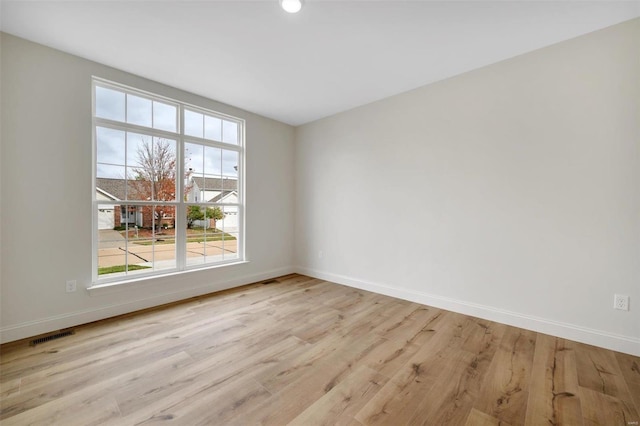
(136, 187)
(164, 253)
(212, 161)
(110, 146)
(228, 194)
(207, 186)
(193, 166)
(230, 221)
(150, 240)
(138, 110)
(164, 177)
(105, 218)
(111, 251)
(206, 240)
(230, 163)
(229, 132)
(139, 256)
(193, 122)
(110, 172)
(119, 253)
(164, 117)
(212, 128)
(139, 149)
(194, 158)
(109, 104)
(130, 218)
(196, 235)
(211, 188)
(153, 172)
(227, 227)
(215, 250)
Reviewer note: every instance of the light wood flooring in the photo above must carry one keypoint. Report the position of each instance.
(303, 351)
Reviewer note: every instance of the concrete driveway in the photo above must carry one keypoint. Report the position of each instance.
(108, 238)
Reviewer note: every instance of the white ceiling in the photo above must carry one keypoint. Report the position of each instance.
(330, 57)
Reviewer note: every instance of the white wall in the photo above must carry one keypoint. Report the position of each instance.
(518, 182)
(1, 178)
(46, 150)
(519, 185)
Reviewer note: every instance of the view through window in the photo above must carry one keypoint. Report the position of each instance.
(168, 193)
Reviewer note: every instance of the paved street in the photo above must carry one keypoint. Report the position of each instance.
(113, 251)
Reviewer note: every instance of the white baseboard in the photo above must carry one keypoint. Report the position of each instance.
(46, 325)
(626, 344)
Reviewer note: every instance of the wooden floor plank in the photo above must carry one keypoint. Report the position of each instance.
(88, 411)
(478, 418)
(342, 402)
(630, 370)
(601, 409)
(298, 363)
(401, 397)
(599, 370)
(63, 407)
(215, 406)
(205, 377)
(504, 394)
(312, 383)
(10, 388)
(451, 399)
(305, 351)
(554, 395)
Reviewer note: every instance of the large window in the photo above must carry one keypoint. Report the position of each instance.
(168, 185)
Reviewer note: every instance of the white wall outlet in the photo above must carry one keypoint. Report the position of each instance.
(71, 286)
(621, 302)
(320, 254)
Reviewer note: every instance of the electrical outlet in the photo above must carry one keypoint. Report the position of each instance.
(320, 254)
(71, 286)
(621, 302)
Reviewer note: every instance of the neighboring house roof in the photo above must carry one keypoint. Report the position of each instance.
(106, 194)
(221, 196)
(113, 187)
(215, 184)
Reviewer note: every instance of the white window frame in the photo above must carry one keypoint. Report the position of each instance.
(180, 203)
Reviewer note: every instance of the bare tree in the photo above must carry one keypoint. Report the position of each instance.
(155, 176)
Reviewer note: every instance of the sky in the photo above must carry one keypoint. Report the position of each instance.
(117, 149)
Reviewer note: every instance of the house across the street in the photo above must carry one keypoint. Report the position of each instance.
(216, 190)
(199, 189)
(111, 216)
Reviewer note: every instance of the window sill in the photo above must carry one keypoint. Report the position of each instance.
(98, 289)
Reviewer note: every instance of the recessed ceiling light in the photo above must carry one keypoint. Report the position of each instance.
(291, 6)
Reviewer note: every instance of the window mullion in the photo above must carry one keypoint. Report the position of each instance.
(181, 214)
(134, 128)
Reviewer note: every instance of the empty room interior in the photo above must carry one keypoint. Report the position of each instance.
(320, 212)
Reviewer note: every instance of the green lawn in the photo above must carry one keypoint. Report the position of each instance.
(119, 268)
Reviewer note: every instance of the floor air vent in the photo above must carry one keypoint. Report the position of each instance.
(270, 282)
(58, 335)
